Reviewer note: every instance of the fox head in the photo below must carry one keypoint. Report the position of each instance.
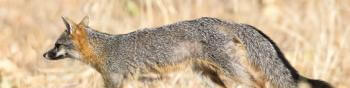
(66, 44)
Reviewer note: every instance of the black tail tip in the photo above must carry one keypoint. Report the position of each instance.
(319, 84)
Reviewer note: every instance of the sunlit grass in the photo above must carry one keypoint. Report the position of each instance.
(314, 35)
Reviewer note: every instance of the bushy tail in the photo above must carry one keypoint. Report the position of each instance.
(264, 54)
(267, 57)
(312, 83)
(318, 84)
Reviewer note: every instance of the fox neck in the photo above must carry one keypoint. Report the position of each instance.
(87, 42)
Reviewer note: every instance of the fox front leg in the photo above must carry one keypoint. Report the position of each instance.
(114, 80)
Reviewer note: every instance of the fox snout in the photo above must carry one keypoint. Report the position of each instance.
(54, 54)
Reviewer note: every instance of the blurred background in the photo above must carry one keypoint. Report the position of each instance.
(313, 34)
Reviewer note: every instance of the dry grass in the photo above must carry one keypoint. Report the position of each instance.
(314, 35)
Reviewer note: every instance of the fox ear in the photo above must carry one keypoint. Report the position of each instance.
(85, 21)
(69, 24)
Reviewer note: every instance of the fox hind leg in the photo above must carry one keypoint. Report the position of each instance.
(214, 77)
(231, 72)
(238, 78)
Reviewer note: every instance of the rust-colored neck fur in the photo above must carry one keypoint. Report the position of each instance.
(82, 44)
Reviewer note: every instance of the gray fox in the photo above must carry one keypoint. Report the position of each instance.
(227, 53)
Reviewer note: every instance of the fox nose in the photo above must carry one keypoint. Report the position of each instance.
(52, 56)
(45, 55)
(49, 55)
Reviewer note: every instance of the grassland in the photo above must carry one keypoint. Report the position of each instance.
(314, 35)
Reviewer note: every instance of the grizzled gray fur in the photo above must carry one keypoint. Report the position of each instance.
(227, 53)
